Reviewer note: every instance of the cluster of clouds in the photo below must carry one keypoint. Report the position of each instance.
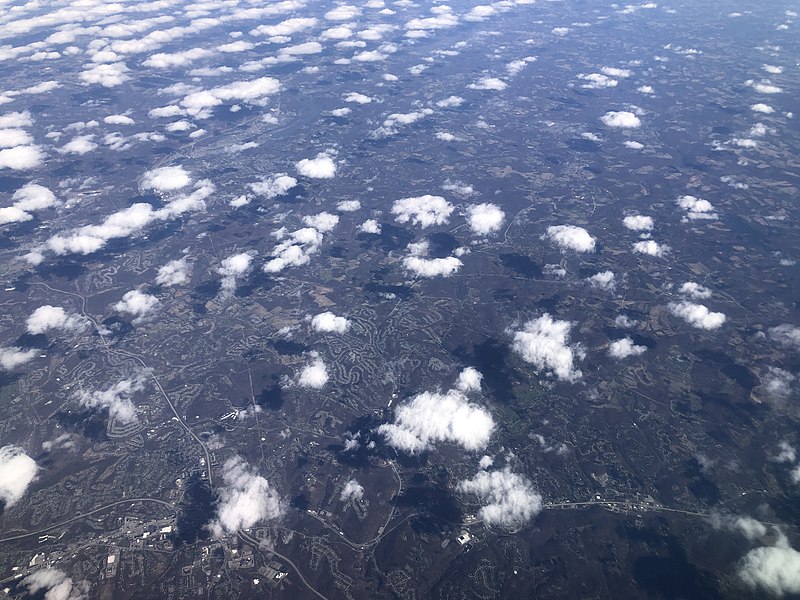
(17, 150)
(438, 417)
(245, 499)
(420, 265)
(232, 269)
(56, 585)
(28, 199)
(509, 500)
(696, 208)
(293, 249)
(17, 471)
(117, 399)
(351, 491)
(545, 343)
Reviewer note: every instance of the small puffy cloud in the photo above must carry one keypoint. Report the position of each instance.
(509, 500)
(785, 334)
(314, 375)
(760, 107)
(485, 218)
(118, 120)
(17, 471)
(29, 198)
(772, 569)
(21, 158)
(778, 384)
(274, 186)
(57, 585)
(424, 211)
(624, 348)
(696, 208)
(638, 223)
(450, 102)
(323, 221)
(81, 144)
(348, 206)
(344, 12)
(352, 491)
(245, 499)
(321, 167)
(596, 81)
(117, 399)
(370, 226)
(570, 237)
(418, 263)
(256, 91)
(328, 322)
(439, 417)
(697, 315)
(625, 322)
(695, 290)
(765, 87)
(515, 66)
(175, 272)
(469, 380)
(622, 119)
(13, 357)
(544, 342)
(294, 249)
(786, 453)
(106, 74)
(650, 247)
(605, 280)
(357, 98)
(232, 268)
(137, 304)
(615, 72)
(488, 83)
(166, 179)
(46, 318)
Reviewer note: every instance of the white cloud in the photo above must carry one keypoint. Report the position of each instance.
(327, 322)
(785, 334)
(348, 206)
(695, 290)
(29, 198)
(137, 304)
(696, 208)
(314, 375)
(118, 120)
(352, 491)
(605, 280)
(429, 267)
(232, 268)
(82, 144)
(166, 179)
(633, 145)
(623, 119)
(117, 399)
(615, 72)
(175, 272)
(786, 453)
(597, 81)
(17, 471)
(255, 91)
(624, 348)
(245, 499)
(625, 322)
(469, 380)
(485, 218)
(515, 66)
(323, 221)
(650, 248)
(344, 12)
(274, 186)
(450, 102)
(570, 237)
(285, 28)
(439, 417)
(57, 584)
(13, 357)
(762, 108)
(638, 223)
(295, 249)
(697, 315)
(341, 112)
(106, 75)
(46, 318)
(370, 226)
(321, 167)
(509, 499)
(488, 83)
(765, 87)
(773, 569)
(544, 342)
(778, 383)
(16, 119)
(303, 49)
(424, 211)
(21, 158)
(357, 98)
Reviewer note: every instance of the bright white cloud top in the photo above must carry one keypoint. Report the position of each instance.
(545, 343)
(485, 218)
(571, 237)
(424, 211)
(320, 167)
(17, 471)
(698, 315)
(509, 500)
